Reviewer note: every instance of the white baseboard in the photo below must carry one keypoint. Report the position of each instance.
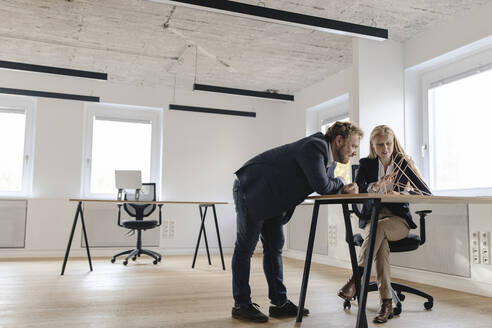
(106, 251)
(461, 284)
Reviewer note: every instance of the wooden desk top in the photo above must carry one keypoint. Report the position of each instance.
(86, 200)
(407, 198)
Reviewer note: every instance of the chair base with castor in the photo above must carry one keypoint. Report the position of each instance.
(136, 252)
(398, 296)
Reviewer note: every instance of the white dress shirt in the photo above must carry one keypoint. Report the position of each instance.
(382, 173)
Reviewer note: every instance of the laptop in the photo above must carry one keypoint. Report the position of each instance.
(128, 179)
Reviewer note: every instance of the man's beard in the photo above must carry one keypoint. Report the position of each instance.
(341, 159)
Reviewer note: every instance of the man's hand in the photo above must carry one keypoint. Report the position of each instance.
(351, 188)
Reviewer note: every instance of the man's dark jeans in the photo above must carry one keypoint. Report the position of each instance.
(272, 237)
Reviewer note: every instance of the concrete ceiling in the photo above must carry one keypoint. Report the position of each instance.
(140, 42)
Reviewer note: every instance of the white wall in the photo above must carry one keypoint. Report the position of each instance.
(463, 30)
(200, 154)
(336, 108)
(378, 77)
(294, 118)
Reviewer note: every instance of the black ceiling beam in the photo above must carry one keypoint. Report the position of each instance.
(284, 17)
(53, 70)
(34, 93)
(211, 110)
(243, 92)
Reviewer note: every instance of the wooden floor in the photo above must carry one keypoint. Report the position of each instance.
(171, 294)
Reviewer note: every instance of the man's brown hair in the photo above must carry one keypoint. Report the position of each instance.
(344, 129)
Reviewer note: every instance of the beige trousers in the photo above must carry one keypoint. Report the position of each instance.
(390, 228)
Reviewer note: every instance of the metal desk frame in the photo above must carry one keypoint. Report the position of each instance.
(201, 205)
(349, 237)
(376, 200)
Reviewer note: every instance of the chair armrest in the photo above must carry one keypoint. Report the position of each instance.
(422, 215)
(160, 214)
(119, 215)
(355, 210)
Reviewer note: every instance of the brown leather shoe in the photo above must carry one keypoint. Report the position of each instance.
(347, 292)
(386, 311)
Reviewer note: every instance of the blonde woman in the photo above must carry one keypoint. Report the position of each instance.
(387, 169)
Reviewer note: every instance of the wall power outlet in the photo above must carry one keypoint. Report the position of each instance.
(168, 229)
(475, 246)
(485, 247)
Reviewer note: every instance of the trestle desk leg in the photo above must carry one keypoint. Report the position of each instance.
(74, 224)
(218, 237)
(361, 314)
(205, 233)
(307, 263)
(349, 238)
(85, 238)
(202, 228)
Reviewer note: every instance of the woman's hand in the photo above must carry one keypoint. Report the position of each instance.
(385, 180)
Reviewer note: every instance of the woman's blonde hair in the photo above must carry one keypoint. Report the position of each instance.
(384, 130)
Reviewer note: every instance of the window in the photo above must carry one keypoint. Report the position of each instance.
(341, 170)
(16, 145)
(325, 124)
(119, 138)
(460, 112)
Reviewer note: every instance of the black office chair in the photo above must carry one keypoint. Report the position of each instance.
(139, 212)
(410, 243)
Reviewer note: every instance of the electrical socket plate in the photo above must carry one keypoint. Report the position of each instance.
(485, 247)
(475, 245)
(168, 229)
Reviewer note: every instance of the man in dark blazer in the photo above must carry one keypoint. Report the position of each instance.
(266, 191)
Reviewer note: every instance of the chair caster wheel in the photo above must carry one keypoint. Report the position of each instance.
(401, 297)
(113, 260)
(134, 258)
(397, 310)
(160, 259)
(346, 305)
(155, 262)
(428, 305)
(125, 262)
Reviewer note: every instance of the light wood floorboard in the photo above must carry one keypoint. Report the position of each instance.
(171, 294)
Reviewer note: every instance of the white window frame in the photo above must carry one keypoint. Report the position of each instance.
(27, 105)
(127, 113)
(450, 71)
(333, 119)
(333, 109)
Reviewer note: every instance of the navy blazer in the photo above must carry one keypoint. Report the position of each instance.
(368, 173)
(278, 180)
